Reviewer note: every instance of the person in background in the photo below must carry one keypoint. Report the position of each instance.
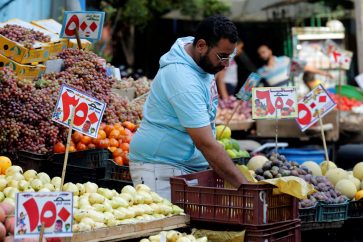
(310, 80)
(232, 78)
(276, 70)
(177, 133)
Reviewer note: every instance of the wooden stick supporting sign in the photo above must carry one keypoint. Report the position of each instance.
(323, 138)
(78, 39)
(41, 233)
(67, 148)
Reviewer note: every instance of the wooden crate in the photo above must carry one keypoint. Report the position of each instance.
(288, 128)
(131, 231)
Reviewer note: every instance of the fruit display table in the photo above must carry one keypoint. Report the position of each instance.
(131, 231)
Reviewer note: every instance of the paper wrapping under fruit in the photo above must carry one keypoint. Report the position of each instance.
(220, 236)
(292, 185)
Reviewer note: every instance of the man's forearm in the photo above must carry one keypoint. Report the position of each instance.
(223, 165)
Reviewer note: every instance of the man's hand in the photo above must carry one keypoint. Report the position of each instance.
(216, 155)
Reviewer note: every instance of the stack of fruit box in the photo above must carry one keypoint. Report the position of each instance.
(24, 61)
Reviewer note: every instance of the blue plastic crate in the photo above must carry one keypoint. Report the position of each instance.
(302, 155)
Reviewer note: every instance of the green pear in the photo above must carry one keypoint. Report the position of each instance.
(235, 144)
(223, 133)
(227, 144)
(231, 154)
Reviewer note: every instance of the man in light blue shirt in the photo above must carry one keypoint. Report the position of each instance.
(276, 70)
(177, 133)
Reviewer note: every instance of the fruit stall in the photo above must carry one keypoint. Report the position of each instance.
(106, 205)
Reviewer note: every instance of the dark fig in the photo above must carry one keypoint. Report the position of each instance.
(259, 171)
(267, 166)
(259, 178)
(267, 175)
(294, 173)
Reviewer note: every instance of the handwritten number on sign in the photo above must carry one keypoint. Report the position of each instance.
(72, 32)
(305, 111)
(279, 103)
(67, 102)
(266, 95)
(32, 211)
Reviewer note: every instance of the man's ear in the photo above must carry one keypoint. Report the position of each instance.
(201, 46)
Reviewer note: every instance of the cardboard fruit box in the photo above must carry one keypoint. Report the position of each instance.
(54, 27)
(21, 70)
(39, 51)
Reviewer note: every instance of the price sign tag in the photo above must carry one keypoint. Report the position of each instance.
(88, 111)
(308, 108)
(342, 57)
(88, 23)
(245, 92)
(337, 55)
(54, 209)
(274, 102)
(297, 67)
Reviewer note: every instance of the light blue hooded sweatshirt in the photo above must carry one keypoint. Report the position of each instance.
(182, 96)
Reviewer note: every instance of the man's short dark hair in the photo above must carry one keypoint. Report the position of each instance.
(214, 28)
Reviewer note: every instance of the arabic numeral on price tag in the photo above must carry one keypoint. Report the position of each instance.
(79, 120)
(279, 103)
(304, 114)
(36, 218)
(266, 95)
(67, 102)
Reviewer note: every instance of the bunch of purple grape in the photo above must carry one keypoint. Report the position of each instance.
(24, 36)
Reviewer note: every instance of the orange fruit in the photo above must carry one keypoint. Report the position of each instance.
(119, 160)
(114, 142)
(125, 147)
(5, 163)
(77, 136)
(91, 146)
(59, 148)
(101, 134)
(359, 195)
(112, 149)
(72, 148)
(81, 146)
(117, 152)
(125, 160)
(115, 133)
(129, 125)
(86, 140)
(117, 126)
(108, 129)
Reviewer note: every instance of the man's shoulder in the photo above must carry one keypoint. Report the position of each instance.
(283, 58)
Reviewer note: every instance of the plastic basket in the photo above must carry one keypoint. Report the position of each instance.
(281, 232)
(332, 212)
(355, 209)
(202, 195)
(76, 173)
(117, 172)
(241, 161)
(28, 160)
(308, 215)
(94, 158)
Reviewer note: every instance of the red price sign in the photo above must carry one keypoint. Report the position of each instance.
(87, 114)
(318, 100)
(274, 102)
(53, 209)
(88, 23)
(342, 57)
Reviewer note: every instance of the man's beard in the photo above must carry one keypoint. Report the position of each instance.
(207, 65)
